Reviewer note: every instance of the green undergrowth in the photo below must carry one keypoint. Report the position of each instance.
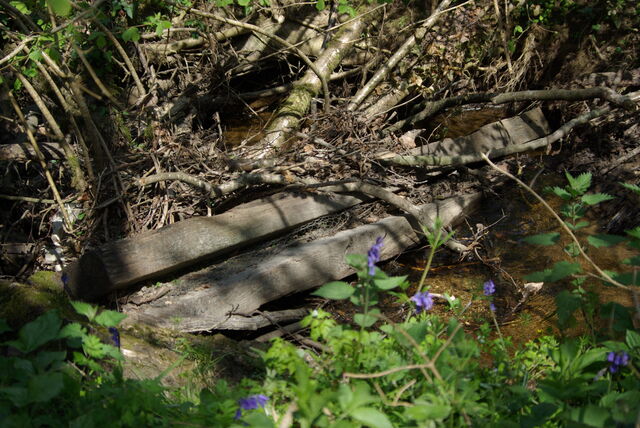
(420, 371)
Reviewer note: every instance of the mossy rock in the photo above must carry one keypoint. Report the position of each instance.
(24, 302)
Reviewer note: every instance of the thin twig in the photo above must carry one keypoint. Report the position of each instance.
(43, 163)
(603, 275)
(255, 28)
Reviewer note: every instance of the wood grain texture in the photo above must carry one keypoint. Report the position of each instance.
(202, 300)
(121, 263)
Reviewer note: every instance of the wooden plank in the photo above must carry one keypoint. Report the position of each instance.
(119, 264)
(204, 300)
(514, 130)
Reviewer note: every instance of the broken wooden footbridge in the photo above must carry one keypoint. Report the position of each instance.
(214, 273)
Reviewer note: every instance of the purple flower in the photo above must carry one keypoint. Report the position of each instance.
(489, 288)
(373, 256)
(492, 307)
(115, 336)
(423, 301)
(617, 360)
(250, 403)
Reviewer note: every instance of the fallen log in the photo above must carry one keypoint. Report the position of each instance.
(205, 300)
(119, 264)
(494, 137)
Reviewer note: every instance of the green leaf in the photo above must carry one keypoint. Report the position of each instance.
(320, 5)
(428, 411)
(566, 303)
(589, 415)
(44, 387)
(336, 290)
(4, 327)
(579, 184)
(634, 233)
(579, 225)
(85, 309)
(542, 239)
(93, 347)
(163, 25)
(73, 330)
(560, 192)
(110, 318)
(596, 198)
(356, 261)
(131, 34)
(602, 240)
(43, 329)
(371, 417)
(633, 261)
(60, 7)
(632, 187)
(389, 283)
(18, 395)
(45, 358)
(633, 339)
(366, 320)
(559, 271)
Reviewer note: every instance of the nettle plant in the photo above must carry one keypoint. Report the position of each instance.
(583, 297)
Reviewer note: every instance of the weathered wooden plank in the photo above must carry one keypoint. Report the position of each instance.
(121, 263)
(204, 300)
(514, 130)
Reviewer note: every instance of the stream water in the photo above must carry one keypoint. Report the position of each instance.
(510, 216)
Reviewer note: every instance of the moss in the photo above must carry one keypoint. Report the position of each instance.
(21, 303)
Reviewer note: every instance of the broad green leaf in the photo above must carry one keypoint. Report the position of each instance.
(633, 339)
(559, 271)
(131, 34)
(635, 232)
(371, 417)
(428, 411)
(589, 415)
(365, 320)
(43, 329)
(164, 25)
(85, 309)
(320, 5)
(73, 330)
(4, 327)
(93, 347)
(45, 358)
(596, 198)
(579, 184)
(21, 7)
(18, 395)
(605, 240)
(579, 225)
(389, 283)
(542, 239)
(566, 304)
(336, 290)
(110, 318)
(244, 2)
(356, 261)
(634, 261)
(632, 187)
(60, 7)
(45, 386)
(560, 192)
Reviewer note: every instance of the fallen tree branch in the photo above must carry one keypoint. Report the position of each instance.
(402, 51)
(434, 107)
(255, 28)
